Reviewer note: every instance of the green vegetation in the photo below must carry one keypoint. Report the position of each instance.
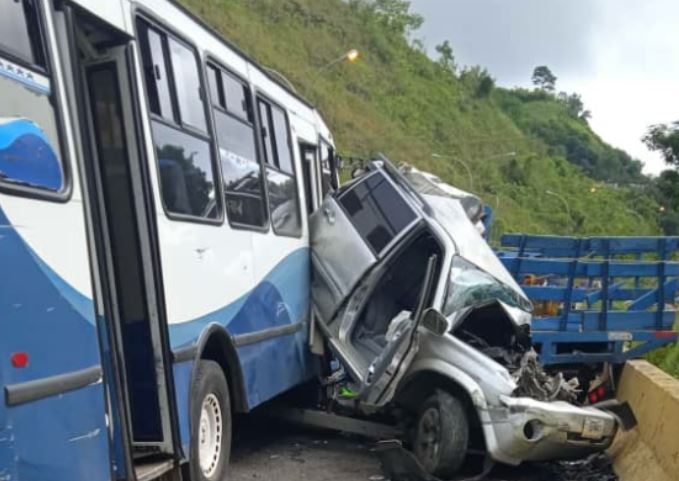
(560, 121)
(397, 100)
(519, 144)
(664, 138)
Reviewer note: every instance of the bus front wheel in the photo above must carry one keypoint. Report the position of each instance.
(210, 423)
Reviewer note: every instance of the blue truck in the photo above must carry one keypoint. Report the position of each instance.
(597, 300)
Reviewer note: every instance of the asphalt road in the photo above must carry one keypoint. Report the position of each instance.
(269, 450)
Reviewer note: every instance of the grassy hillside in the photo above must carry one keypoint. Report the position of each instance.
(560, 121)
(396, 100)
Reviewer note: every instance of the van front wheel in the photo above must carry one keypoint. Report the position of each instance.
(210, 423)
(441, 435)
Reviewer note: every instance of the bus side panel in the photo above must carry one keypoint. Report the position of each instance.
(182, 387)
(60, 438)
(274, 366)
(51, 325)
(279, 300)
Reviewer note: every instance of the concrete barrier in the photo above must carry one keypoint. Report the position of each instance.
(650, 452)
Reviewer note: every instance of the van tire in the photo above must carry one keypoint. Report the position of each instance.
(211, 423)
(441, 435)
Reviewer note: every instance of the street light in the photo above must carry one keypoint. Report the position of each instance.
(463, 163)
(505, 154)
(636, 214)
(565, 203)
(351, 56)
(466, 166)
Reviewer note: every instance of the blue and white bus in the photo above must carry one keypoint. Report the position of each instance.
(155, 185)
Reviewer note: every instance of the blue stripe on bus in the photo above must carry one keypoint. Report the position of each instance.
(282, 298)
(43, 316)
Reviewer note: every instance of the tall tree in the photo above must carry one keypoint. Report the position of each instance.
(664, 138)
(446, 57)
(544, 78)
(396, 15)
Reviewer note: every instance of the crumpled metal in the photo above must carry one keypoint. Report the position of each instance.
(533, 381)
(531, 378)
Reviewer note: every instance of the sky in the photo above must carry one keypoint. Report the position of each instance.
(622, 56)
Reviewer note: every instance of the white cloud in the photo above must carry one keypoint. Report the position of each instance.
(621, 55)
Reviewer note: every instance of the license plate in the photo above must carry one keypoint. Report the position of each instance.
(593, 428)
(620, 336)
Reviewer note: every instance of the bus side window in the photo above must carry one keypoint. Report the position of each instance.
(179, 125)
(30, 152)
(235, 130)
(329, 180)
(280, 172)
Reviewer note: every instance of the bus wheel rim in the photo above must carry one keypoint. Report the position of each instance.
(210, 435)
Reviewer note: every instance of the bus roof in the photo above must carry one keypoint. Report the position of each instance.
(115, 12)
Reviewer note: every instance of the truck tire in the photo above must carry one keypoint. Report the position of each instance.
(210, 423)
(441, 435)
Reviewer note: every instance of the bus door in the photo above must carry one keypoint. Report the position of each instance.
(52, 410)
(140, 379)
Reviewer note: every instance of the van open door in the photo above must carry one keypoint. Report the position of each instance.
(374, 266)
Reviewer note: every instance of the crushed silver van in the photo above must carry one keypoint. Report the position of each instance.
(429, 325)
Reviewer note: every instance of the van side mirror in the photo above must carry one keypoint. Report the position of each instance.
(435, 322)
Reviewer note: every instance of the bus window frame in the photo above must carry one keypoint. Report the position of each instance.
(143, 14)
(259, 94)
(59, 104)
(334, 170)
(211, 59)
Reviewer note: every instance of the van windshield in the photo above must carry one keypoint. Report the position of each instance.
(470, 286)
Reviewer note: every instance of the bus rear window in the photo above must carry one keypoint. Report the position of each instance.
(19, 32)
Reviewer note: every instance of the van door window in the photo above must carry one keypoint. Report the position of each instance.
(377, 210)
(30, 153)
(183, 147)
(280, 175)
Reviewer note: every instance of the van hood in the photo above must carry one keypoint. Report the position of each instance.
(469, 243)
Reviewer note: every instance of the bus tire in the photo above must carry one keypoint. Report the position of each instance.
(210, 423)
(441, 434)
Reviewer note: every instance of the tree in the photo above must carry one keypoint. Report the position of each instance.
(544, 78)
(667, 189)
(485, 86)
(664, 138)
(397, 16)
(575, 106)
(478, 80)
(446, 57)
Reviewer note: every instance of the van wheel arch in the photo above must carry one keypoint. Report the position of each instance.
(422, 385)
(215, 344)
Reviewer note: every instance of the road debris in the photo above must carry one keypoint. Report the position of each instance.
(400, 464)
(596, 467)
